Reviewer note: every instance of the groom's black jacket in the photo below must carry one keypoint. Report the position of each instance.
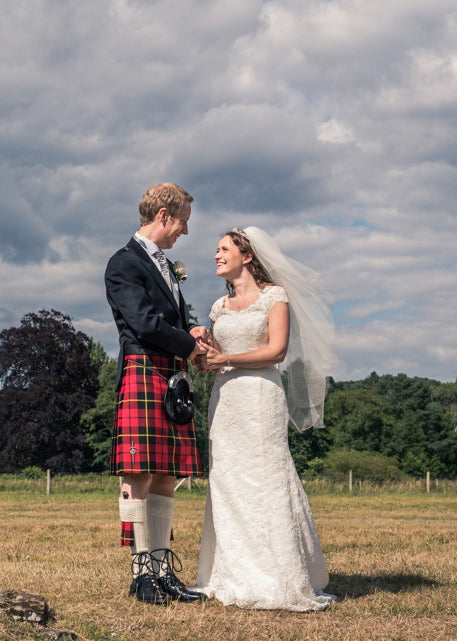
(146, 314)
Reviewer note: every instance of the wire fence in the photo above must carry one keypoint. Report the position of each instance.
(105, 484)
(358, 487)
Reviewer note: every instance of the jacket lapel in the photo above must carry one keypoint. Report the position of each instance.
(155, 273)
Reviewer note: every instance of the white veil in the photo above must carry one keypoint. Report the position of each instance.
(310, 351)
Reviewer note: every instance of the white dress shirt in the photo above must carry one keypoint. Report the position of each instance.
(150, 247)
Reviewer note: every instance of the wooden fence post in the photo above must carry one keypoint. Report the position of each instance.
(48, 481)
(350, 480)
(427, 482)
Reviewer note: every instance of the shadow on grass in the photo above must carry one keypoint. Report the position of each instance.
(353, 586)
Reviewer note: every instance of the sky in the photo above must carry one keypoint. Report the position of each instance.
(330, 124)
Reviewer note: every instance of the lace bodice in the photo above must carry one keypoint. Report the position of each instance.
(244, 331)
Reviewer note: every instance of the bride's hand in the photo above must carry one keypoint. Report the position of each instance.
(214, 358)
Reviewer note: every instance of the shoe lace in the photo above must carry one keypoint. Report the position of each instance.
(168, 563)
(141, 562)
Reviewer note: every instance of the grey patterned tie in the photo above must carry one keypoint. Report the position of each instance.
(160, 256)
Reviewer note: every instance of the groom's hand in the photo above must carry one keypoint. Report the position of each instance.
(201, 333)
(197, 351)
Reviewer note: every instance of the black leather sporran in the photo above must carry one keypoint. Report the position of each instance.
(179, 398)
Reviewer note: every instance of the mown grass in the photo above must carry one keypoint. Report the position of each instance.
(392, 559)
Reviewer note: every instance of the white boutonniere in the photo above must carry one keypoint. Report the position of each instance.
(179, 271)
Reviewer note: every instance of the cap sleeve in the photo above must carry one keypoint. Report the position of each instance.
(275, 294)
(216, 309)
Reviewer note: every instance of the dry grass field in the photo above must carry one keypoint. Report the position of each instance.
(392, 560)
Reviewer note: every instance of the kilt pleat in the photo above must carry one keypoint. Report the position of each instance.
(145, 441)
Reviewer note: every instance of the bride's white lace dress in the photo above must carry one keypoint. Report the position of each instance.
(259, 547)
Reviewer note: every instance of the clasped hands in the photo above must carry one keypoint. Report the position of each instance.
(204, 354)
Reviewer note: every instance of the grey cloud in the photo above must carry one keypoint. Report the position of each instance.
(24, 236)
(394, 347)
(330, 124)
(256, 157)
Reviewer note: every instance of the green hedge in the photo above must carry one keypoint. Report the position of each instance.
(364, 465)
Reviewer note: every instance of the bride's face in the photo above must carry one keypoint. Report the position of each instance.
(229, 259)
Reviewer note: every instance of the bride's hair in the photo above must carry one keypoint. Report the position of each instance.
(258, 271)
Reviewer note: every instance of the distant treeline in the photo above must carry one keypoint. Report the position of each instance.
(57, 403)
(412, 421)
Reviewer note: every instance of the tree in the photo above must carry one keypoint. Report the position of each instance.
(411, 419)
(47, 381)
(307, 446)
(203, 383)
(97, 422)
(443, 445)
(358, 418)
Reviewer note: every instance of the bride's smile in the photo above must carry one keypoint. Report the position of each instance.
(229, 260)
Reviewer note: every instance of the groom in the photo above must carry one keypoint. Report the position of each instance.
(155, 338)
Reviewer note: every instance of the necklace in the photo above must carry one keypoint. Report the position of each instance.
(239, 305)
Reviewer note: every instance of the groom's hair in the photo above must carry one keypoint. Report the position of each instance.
(167, 195)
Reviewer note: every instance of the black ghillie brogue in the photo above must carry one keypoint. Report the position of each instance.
(145, 584)
(169, 563)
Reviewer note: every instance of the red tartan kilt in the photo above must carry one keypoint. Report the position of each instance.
(145, 441)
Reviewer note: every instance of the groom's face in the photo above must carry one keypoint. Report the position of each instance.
(175, 226)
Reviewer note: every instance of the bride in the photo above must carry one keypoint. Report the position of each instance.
(260, 548)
